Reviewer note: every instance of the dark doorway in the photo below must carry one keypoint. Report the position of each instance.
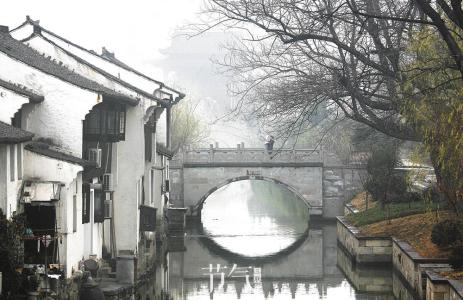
(41, 220)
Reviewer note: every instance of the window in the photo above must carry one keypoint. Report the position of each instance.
(85, 203)
(111, 122)
(152, 186)
(148, 142)
(105, 122)
(143, 190)
(140, 196)
(92, 123)
(98, 203)
(19, 161)
(150, 130)
(147, 218)
(74, 213)
(12, 162)
(122, 122)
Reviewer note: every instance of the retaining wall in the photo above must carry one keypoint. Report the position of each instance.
(438, 288)
(410, 266)
(364, 249)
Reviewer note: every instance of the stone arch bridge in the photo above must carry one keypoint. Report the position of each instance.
(316, 177)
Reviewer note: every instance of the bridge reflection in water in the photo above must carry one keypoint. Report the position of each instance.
(256, 243)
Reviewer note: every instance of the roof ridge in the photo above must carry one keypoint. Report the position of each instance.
(103, 72)
(122, 65)
(56, 153)
(21, 90)
(31, 57)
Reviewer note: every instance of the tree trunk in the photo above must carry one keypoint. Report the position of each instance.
(446, 182)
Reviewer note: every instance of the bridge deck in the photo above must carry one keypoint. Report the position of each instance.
(222, 155)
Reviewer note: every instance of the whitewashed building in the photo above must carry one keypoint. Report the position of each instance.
(11, 161)
(54, 161)
(12, 98)
(103, 129)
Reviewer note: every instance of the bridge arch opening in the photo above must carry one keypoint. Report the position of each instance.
(254, 216)
(203, 199)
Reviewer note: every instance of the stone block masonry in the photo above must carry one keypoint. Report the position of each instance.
(418, 272)
(323, 184)
(438, 288)
(363, 249)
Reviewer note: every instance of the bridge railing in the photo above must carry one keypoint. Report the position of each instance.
(211, 155)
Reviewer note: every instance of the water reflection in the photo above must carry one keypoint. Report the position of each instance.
(254, 218)
(309, 272)
(255, 243)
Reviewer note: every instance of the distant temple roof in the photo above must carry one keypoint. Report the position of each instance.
(13, 135)
(21, 90)
(19, 51)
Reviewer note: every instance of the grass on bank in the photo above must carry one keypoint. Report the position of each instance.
(410, 222)
(414, 229)
(377, 213)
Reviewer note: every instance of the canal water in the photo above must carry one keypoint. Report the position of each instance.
(256, 242)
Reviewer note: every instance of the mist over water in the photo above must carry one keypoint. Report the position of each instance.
(254, 218)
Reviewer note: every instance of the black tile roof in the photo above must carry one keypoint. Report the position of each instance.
(104, 73)
(21, 90)
(19, 51)
(163, 150)
(50, 151)
(13, 135)
(112, 58)
(106, 55)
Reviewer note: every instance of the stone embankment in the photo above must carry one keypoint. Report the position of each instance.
(419, 273)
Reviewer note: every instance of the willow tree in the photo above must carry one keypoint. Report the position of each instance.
(434, 93)
(188, 129)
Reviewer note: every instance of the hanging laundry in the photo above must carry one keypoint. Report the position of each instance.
(46, 240)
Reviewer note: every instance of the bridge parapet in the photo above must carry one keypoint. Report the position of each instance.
(220, 155)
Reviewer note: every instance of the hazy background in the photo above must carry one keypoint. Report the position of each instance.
(147, 35)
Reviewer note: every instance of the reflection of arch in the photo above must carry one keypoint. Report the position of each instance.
(199, 205)
(214, 248)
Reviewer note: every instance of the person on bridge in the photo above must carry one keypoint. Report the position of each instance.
(269, 141)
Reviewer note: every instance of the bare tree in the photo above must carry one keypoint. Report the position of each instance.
(299, 55)
(445, 16)
(354, 58)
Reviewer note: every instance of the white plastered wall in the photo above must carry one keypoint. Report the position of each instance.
(60, 116)
(130, 169)
(3, 177)
(9, 187)
(10, 103)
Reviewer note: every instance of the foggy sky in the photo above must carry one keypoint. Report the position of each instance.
(145, 35)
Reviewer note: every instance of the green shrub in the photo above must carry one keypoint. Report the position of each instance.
(384, 183)
(10, 243)
(446, 233)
